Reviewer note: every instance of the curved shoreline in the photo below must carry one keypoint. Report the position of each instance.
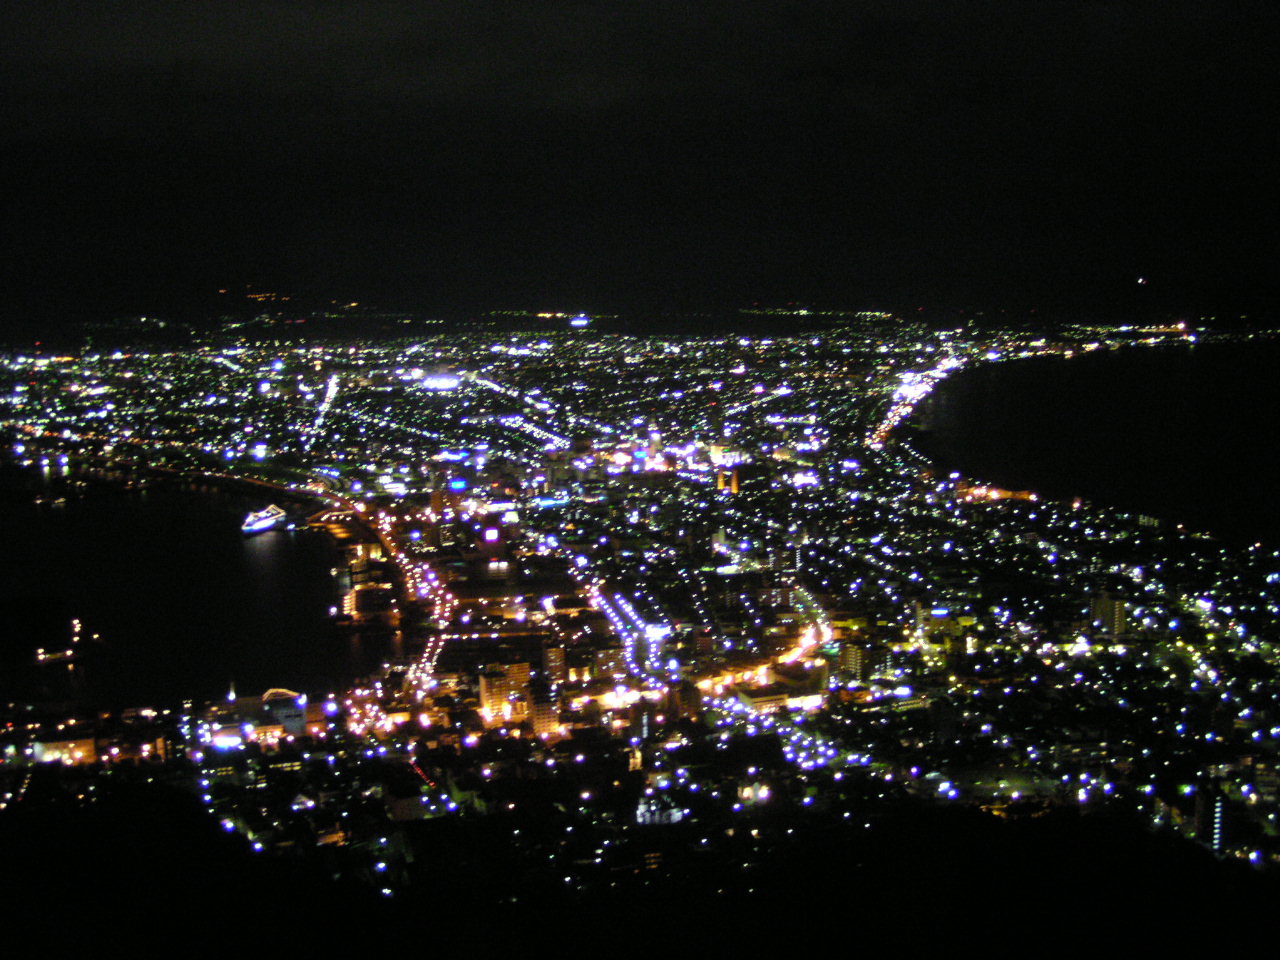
(939, 375)
(206, 493)
(973, 364)
(1137, 432)
(185, 603)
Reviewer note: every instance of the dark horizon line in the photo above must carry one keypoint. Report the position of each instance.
(206, 310)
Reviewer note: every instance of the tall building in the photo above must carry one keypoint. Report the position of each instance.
(544, 710)
(1109, 613)
(864, 660)
(554, 664)
(503, 690)
(1211, 816)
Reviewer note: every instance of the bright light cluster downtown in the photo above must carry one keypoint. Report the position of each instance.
(698, 587)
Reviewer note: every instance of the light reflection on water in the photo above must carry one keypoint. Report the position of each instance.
(185, 603)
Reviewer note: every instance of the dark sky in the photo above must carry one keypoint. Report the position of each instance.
(629, 153)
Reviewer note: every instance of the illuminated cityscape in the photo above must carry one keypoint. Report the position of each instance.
(713, 477)
(657, 601)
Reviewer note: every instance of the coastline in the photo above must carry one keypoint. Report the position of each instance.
(184, 601)
(1141, 431)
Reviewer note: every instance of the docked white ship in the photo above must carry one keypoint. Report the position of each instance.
(268, 519)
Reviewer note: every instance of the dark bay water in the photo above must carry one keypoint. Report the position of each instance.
(184, 603)
(1185, 434)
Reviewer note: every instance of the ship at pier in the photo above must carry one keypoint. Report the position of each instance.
(272, 518)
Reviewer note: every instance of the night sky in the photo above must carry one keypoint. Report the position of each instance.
(631, 154)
